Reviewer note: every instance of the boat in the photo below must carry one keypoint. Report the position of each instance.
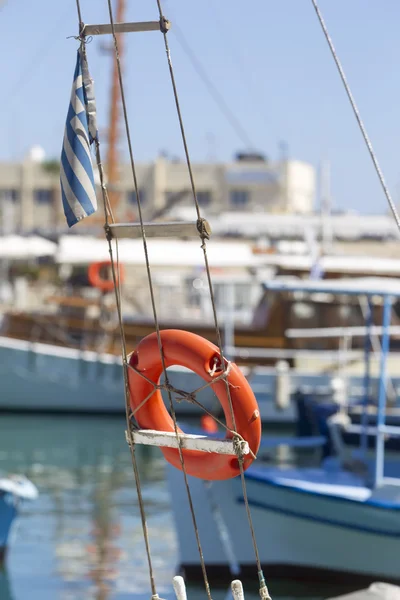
(59, 377)
(81, 316)
(337, 521)
(376, 591)
(44, 378)
(14, 489)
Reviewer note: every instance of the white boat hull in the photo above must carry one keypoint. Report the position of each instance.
(300, 535)
(42, 377)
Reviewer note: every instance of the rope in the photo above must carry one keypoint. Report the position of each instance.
(78, 8)
(357, 115)
(238, 440)
(107, 215)
(219, 100)
(151, 289)
(212, 297)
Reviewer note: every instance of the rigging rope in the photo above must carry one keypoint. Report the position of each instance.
(259, 102)
(204, 236)
(37, 57)
(152, 296)
(78, 8)
(107, 215)
(212, 90)
(357, 115)
(263, 587)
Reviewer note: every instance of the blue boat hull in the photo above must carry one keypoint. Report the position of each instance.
(8, 512)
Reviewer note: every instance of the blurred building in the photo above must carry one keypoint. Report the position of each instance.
(30, 191)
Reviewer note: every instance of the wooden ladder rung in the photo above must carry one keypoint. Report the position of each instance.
(106, 28)
(167, 439)
(175, 230)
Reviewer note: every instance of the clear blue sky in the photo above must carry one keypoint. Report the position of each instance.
(268, 59)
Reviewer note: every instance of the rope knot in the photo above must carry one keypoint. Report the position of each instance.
(108, 232)
(216, 366)
(204, 229)
(81, 37)
(165, 25)
(129, 439)
(239, 445)
(181, 395)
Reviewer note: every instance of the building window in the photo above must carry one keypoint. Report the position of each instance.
(9, 195)
(204, 197)
(239, 197)
(43, 196)
(132, 196)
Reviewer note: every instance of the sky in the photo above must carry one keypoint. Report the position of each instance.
(268, 60)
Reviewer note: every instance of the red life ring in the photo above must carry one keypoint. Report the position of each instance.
(196, 353)
(95, 280)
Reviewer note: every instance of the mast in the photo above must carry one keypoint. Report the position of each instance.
(113, 133)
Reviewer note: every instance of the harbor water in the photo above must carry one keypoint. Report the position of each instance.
(82, 538)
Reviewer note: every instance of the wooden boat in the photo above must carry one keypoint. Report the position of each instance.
(72, 326)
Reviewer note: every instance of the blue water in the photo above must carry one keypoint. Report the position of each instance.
(82, 538)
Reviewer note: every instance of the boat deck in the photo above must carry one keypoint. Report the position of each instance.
(339, 484)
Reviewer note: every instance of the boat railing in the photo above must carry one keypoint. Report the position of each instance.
(381, 430)
(388, 290)
(346, 334)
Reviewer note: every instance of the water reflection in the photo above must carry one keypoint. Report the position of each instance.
(82, 539)
(5, 585)
(83, 535)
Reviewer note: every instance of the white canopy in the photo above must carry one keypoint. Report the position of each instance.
(179, 253)
(74, 249)
(20, 247)
(369, 286)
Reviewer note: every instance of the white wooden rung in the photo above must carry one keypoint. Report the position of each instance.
(105, 28)
(179, 587)
(161, 230)
(237, 590)
(167, 439)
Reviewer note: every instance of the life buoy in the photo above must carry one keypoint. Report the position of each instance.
(198, 354)
(95, 280)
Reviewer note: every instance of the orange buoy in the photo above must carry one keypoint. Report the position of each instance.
(199, 355)
(208, 424)
(97, 281)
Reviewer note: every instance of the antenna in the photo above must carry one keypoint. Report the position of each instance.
(283, 148)
(211, 146)
(325, 205)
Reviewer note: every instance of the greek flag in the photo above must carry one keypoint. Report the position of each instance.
(77, 179)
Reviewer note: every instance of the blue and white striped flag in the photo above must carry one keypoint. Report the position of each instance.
(77, 179)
